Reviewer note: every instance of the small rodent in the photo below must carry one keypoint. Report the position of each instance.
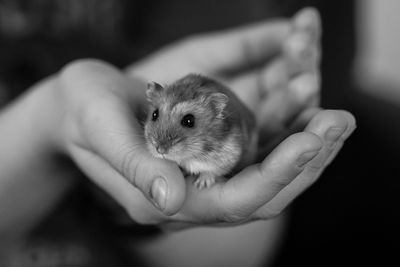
(201, 125)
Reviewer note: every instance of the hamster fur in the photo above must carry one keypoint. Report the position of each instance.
(201, 125)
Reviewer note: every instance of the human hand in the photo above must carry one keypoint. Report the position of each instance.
(277, 91)
(100, 132)
(273, 67)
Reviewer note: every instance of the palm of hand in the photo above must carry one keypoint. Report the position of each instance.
(273, 103)
(244, 66)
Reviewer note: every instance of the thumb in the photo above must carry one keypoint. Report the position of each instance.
(108, 128)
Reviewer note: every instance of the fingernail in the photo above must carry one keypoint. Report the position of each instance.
(333, 134)
(158, 193)
(306, 19)
(306, 157)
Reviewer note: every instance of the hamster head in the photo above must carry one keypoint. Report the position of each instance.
(184, 120)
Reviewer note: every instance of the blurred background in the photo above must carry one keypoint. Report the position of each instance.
(378, 57)
(350, 217)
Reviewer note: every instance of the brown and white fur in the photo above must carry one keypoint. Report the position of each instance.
(202, 126)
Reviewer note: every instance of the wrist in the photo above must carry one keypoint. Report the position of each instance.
(30, 120)
(31, 179)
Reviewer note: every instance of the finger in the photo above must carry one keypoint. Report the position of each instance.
(282, 106)
(303, 119)
(298, 125)
(253, 45)
(218, 53)
(330, 126)
(292, 81)
(235, 200)
(118, 187)
(258, 184)
(110, 129)
(300, 51)
(351, 122)
(308, 20)
(302, 48)
(247, 47)
(303, 92)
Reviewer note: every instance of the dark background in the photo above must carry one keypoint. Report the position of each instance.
(348, 218)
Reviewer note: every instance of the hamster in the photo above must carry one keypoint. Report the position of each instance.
(201, 125)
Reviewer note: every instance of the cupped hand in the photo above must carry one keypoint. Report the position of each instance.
(271, 69)
(274, 68)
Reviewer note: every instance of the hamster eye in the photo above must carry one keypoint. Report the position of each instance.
(154, 116)
(188, 121)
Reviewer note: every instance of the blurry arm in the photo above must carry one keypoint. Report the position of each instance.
(30, 182)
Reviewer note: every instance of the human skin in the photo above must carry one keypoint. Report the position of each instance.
(282, 91)
(88, 113)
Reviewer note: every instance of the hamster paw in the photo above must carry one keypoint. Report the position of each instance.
(205, 180)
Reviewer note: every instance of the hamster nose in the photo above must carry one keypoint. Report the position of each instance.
(161, 149)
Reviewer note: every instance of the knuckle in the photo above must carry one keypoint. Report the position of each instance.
(74, 77)
(275, 184)
(273, 213)
(87, 119)
(79, 75)
(79, 67)
(278, 184)
(236, 215)
(315, 168)
(130, 165)
(227, 211)
(268, 214)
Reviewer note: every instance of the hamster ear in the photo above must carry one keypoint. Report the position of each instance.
(153, 90)
(219, 100)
